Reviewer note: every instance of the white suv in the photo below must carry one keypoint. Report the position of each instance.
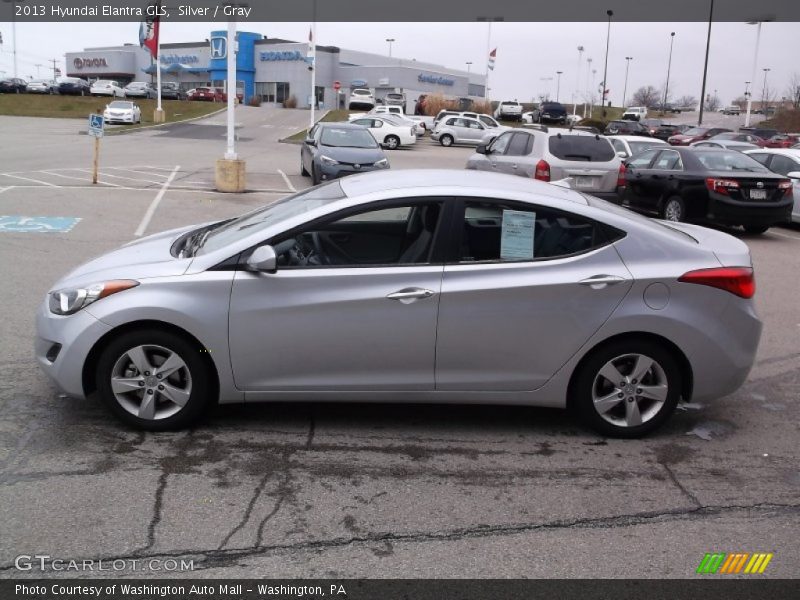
(635, 113)
(510, 110)
(361, 98)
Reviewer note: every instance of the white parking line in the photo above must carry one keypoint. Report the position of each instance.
(83, 179)
(5, 189)
(154, 204)
(123, 177)
(288, 183)
(172, 189)
(139, 172)
(33, 180)
(791, 237)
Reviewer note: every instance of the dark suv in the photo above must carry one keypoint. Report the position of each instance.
(552, 112)
(627, 128)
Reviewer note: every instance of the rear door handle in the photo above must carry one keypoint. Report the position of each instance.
(599, 282)
(408, 295)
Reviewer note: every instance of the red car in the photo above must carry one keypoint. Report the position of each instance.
(783, 140)
(204, 93)
(695, 134)
(223, 97)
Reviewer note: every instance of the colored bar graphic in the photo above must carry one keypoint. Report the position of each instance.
(731, 564)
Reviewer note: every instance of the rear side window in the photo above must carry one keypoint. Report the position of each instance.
(581, 148)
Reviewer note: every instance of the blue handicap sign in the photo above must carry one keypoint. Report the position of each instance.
(96, 124)
(15, 224)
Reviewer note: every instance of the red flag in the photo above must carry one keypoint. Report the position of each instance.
(148, 31)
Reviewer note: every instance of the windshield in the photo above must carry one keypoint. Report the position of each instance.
(120, 105)
(637, 147)
(347, 138)
(103, 82)
(729, 160)
(695, 131)
(258, 220)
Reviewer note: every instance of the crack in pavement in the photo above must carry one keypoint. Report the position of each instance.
(680, 486)
(248, 511)
(221, 558)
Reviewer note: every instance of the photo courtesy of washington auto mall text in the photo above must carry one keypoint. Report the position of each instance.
(399, 300)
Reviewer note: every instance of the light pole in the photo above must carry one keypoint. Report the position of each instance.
(755, 66)
(391, 41)
(587, 92)
(591, 106)
(764, 90)
(558, 84)
(669, 66)
(610, 14)
(548, 79)
(577, 81)
(705, 62)
(628, 60)
(469, 66)
(37, 65)
(14, 31)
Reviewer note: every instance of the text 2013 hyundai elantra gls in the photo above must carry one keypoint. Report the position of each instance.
(412, 286)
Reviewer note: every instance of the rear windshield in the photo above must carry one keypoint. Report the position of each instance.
(729, 160)
(585, 148)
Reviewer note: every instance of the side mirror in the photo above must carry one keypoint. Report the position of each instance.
(482, 149)
(263, 259)
(311, 142)
(622, 154)
(793, 175)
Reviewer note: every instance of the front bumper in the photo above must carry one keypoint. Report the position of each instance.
(328, 172)
(77, 334)
(726, 211)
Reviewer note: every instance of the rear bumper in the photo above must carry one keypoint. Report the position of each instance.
(732, 212)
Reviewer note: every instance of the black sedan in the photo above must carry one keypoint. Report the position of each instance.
(13, 86)
(627, 128)
(716, 186)
(73, 86)
(667, 130)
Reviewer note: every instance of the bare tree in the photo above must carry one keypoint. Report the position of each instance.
(793, 91)
(712, 102)
(646, 96)
(687, 101)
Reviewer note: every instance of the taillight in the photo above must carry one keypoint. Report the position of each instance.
(736, 280)
(721, 186)
(542, 171)
(621, 175)
(786, 186)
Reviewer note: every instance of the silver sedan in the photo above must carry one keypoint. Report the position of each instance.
(412, 286)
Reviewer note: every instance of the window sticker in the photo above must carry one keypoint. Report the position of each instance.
(516, 241)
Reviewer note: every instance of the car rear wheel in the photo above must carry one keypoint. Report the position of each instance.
(154, 380)
(627, 389)
(391, 142)
(446, 140)
(673, 210)
(756, 229)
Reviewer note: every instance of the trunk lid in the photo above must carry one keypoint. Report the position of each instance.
(730, 251)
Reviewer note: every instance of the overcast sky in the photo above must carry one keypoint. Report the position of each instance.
(528, 53)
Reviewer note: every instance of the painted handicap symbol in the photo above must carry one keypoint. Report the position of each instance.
(20, 224)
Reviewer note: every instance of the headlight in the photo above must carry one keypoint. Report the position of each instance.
(382, 163)
(327, 160)
(70, 300)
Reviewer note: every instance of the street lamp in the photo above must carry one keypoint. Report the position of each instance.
(755, 66)
(577, 81)
(591, 106)
(669, 66)
(558, 84)
(391, 41)
(469, 66)
(764, 89)
(547, 95)
(588, 92)
(610, 14)
(628, 60)
(14, 30)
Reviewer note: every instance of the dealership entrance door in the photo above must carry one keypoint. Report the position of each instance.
(223, 83)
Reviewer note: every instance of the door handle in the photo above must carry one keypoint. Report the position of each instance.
(408, 295)
(513, 166)
(494, 165)
(598, 282)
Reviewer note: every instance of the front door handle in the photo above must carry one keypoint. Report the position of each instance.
(599, 282)
(408, 295)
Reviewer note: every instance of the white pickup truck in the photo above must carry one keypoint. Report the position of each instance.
(635, 113)
(509, 110)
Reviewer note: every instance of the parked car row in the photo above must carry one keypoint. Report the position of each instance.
(75, 86)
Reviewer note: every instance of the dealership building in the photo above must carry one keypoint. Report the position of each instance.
(276, 69)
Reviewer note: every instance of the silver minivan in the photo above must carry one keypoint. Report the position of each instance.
(587, 160)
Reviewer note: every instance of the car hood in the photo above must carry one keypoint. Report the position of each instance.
(352, 155)
(140, 259)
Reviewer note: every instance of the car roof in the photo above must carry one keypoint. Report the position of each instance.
(637, 138)
(358, 185)
(794, 153)
(343, 125)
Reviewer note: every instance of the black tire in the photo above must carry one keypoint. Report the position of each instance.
(303, 171)
(673, 209)
(314, 176)
(446, 140)
(392, 142)
(756, 229)
(202, 383)
(587, 382)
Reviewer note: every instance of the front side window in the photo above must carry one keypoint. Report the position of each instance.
(783, 165)
(500, 144)
(519, 145)
(402, 234)
(508, 232)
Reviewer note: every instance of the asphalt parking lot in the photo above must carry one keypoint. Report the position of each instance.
(348, 490)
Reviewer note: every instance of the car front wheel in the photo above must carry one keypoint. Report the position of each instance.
(674, 210)
(155, 380)
(627, 388)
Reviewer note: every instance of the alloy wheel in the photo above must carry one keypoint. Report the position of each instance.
(151, 382)
(673, 211)
(630, 390)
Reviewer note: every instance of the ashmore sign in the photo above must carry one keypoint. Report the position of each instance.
(287, 55)
(184, 59)
(436, 79)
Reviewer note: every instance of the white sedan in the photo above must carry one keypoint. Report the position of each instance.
(786, 162)
(387, 131)
(121, 111)
(107, 87)
(628, 145)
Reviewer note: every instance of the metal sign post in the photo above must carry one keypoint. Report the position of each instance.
(96, 126)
